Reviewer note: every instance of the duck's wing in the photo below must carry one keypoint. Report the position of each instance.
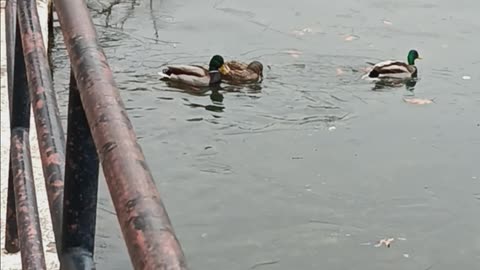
(241, 76)
(236, 65)
(392, 67)
(190, 80)
(191, 70)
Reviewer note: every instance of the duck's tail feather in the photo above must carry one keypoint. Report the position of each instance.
(163, 76)
(371, 75)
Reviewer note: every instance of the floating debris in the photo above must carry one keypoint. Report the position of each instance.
(293, 53)
(264, 263)
(466, 77)
(387, 22)
(339, 71)
(385, 241)
(406, 255)
(351, 38)
(418, 101)
(302, 32)
(332, 128)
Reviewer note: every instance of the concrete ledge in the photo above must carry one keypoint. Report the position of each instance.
(12, 261)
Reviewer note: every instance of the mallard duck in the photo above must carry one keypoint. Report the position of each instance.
(392, 69)
(194, 75)
(237, 73)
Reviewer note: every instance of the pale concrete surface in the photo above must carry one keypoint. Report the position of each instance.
(12, 261)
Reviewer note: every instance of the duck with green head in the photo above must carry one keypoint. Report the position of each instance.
(392, 69)
(195, 75)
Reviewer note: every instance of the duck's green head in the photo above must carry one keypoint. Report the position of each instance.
(412, 56)
(216, 63)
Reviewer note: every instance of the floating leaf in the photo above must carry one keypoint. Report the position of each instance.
(385, 241)
(418, 101)
(339, 71)
(351, 38)
(293, 53)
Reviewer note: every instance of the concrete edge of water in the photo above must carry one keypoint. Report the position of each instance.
(13, 261)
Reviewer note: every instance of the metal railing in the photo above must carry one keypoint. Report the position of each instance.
(98, 130)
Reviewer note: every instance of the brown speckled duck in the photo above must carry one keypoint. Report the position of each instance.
(235, 72)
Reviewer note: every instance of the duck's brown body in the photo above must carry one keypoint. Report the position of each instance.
(238, 72)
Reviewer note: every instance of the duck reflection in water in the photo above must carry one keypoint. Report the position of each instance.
(215, 96)
(216, 93)
(395, 83)
(217, 99)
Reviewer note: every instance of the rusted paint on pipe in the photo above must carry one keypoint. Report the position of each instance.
(51, 138)
(26, 201)
(11, 234)
(146, 227)
(19, 117)
(11, 228)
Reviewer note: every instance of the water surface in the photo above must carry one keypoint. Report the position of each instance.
(311, 168)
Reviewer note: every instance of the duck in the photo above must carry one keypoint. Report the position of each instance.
(236, 72)
(195, 75)
(393, 69)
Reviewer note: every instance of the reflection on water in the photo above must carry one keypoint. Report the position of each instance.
(309, 168)
(392, 84)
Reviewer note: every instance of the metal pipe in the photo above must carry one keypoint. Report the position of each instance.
(146, 227)
(19, 117)
(10, 38)
(81, 184)
(51, 138)
(27, 211)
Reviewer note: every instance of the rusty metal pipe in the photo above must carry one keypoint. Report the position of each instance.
(19, 117)
(81, 186)
(146, 227)
(11, 228)
(27, 211)
(11, 233)
(51, 138)
(10, 38)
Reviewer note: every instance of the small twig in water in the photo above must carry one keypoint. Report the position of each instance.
(430, 267)
(337, 98)
(263, 263)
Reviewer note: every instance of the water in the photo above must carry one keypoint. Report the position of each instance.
(311, 168)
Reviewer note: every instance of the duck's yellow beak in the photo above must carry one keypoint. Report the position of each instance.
(420, 58)
(224, 69)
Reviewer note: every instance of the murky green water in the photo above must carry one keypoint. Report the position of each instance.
(311, 168)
